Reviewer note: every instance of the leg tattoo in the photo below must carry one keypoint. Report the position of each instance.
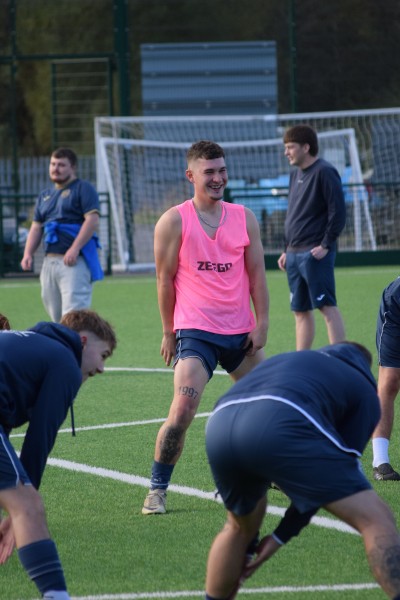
(170, 444)
(385, 565)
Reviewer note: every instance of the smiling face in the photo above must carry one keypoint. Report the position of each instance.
(209, 178)
(61, 171)
(94, 353)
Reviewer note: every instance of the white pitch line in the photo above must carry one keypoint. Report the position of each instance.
(151, 370)
(243, 592)
(113, 425)
(139, 369)
(135, 480)
(181, 489)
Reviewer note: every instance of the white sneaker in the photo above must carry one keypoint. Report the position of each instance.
(155, 502)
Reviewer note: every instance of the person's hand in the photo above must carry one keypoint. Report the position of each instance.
(319, 252)
(282, 261)
(168, 347)
(71, 257)
(7, 540)
(265, 549)
(26, 263)
(256, 339)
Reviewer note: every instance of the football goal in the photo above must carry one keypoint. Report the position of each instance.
(141, 164)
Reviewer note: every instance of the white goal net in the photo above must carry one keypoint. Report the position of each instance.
(141, 164)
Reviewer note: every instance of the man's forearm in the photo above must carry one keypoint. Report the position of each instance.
(291, 524)
(166, 304)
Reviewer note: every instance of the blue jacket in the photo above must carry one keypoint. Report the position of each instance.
(88, 251)
(40, 375)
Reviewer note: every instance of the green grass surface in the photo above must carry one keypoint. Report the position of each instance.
(107, 547)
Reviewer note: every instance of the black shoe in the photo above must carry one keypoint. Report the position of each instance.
(385, 472)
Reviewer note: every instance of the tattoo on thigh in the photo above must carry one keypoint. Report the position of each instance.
(171, 444)
(185, 390)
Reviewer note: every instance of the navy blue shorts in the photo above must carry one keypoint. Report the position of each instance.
(251, 444)
(311, 281)
(11, 470)
(211, 348)
(388, 326)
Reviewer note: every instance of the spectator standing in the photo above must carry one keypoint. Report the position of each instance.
(68, 216)
(315, 217)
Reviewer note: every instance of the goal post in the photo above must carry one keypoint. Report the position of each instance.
(141, 163)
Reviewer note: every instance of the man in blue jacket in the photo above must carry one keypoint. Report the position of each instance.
(302, 421)
(41, 371)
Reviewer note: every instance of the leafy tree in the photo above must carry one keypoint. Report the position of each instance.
(333, 55)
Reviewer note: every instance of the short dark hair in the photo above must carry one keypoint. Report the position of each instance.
(204, 149)
(302, 134)
(88, 320)
(66, 153)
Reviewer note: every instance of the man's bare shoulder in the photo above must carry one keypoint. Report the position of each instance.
(251, 219)
(170, 218)
(170, 221)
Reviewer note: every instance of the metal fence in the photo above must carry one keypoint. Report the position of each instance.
(373, 215)
(33, 173)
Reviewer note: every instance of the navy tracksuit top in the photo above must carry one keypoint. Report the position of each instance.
(40, 375)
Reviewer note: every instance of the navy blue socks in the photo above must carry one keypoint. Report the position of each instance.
(160, 475)
(42, 563)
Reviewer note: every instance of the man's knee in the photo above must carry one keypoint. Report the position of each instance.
(24, 500)
(180, 419)
(328, 311)
(389, 381)
(249, 524)
(184, 405)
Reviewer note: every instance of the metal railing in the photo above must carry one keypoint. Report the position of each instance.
(372, 223)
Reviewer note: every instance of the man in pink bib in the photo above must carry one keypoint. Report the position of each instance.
(210, 267)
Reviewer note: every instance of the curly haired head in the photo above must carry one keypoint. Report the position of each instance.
(4, 322)
(89, 320)
(204, 149)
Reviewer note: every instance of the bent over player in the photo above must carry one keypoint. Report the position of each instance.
(41, 371)
(210, 266)
(304, 432)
